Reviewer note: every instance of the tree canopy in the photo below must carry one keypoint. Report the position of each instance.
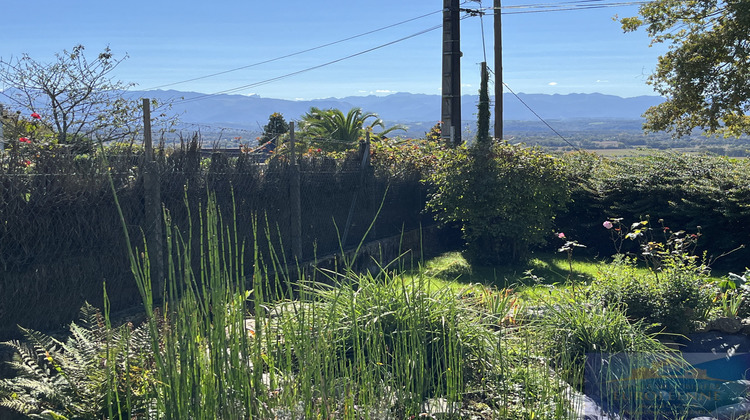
(705, 75)
(332, 130)
(74, 96)
(276, 127)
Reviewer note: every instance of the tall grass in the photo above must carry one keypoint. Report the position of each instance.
(235, 341)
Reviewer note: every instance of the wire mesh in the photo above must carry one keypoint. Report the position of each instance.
(61, 236)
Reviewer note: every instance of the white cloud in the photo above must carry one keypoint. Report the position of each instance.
(552, 84)
(383, 91)
(602, 81)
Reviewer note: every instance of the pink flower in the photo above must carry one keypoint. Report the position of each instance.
(36, 116)
(24, 140)
(27, 162)
(561, 235)
(607, 224)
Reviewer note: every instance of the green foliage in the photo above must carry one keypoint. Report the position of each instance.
(59, 211)
(695, 192)
(673, 300)
(504, 197)
(573, 326)
(483, 115)
(706, 72)
(410, 159)
(427, 341)
(98, 372)
(435, 133)
(673, 294)
(331, 130)
(733, 295)
(276, 127)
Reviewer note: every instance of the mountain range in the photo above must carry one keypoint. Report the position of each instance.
(245, 115)
(417, 111)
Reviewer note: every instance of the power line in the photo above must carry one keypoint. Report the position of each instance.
(540, 118)
(298, 52)
(565, 6)
(274, 79)
(550, 7)
(481, 25)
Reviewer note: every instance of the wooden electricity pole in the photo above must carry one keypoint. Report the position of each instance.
(498, 70)
(451, 92)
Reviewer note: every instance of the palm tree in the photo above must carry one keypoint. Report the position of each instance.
(331, 130)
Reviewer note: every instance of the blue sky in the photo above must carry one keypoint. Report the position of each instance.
(579, 51)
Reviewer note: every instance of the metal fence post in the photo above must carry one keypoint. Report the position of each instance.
(2, 139)
(153, 213)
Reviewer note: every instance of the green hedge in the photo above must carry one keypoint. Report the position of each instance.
(697, 193)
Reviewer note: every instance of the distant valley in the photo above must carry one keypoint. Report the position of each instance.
(557, 122)
(418, 112)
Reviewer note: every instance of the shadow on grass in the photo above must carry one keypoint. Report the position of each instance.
(542, 269)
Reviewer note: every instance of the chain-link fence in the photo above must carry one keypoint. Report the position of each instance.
(61, 236)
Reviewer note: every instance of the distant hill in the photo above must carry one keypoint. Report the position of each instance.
(418, 111)
(231, 114)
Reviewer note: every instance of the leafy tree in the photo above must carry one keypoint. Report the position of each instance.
(276, 127)
(331, 130)
(75, 97)
(504, 197)
(705, 75)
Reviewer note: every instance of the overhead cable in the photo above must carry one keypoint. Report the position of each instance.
(296, 53)
(273, 79)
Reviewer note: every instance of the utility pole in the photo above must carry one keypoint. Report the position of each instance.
(451, 92)
(498, 70)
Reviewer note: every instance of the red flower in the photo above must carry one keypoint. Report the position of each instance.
(319, 150)
(24, 140)
(36, 116)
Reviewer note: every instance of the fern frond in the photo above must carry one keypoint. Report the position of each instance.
(18, 405)
(91, 319)
(45, 346)
(75, 377)
(27, 362)
(49, 415)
